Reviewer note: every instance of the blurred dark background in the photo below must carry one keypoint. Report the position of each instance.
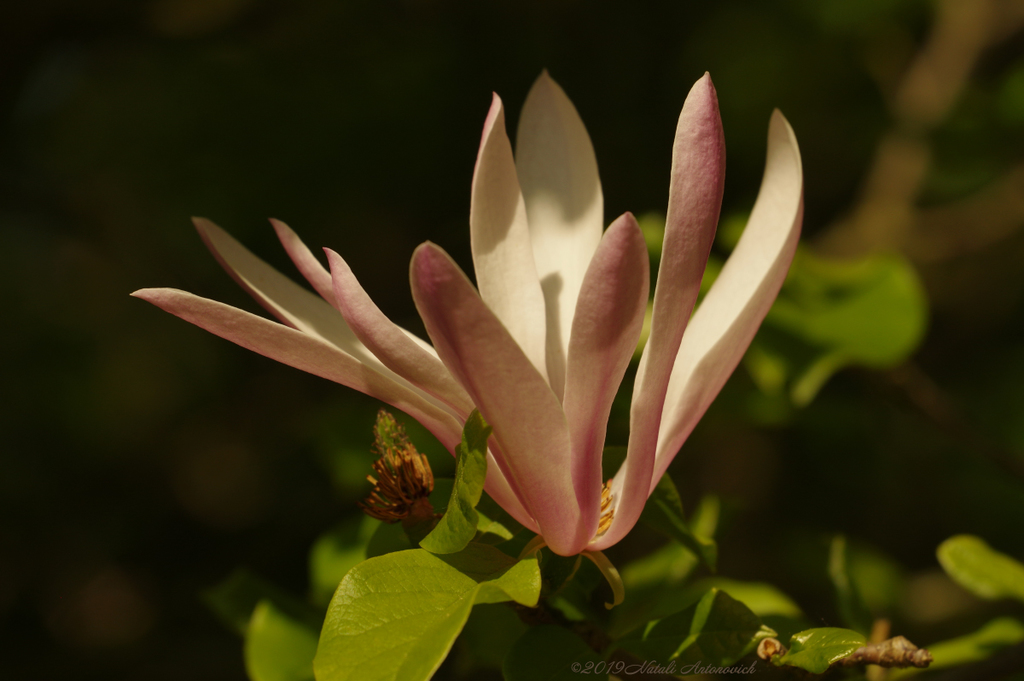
(144, 459)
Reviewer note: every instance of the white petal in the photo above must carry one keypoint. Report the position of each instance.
(565, 208)
(506, 274)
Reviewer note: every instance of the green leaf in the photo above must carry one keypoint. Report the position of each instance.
(717, 631)
(762, 598)
(664, 512)
(997, 634)
(851, 608)
(980, 569)
(549, 653)
(494, 523)
(653, 582)
(279, 646)
(490, 632)
(395, 617)
(816, 649)
(831, 314)
(459, 524)
(235, 599)
(336, 552)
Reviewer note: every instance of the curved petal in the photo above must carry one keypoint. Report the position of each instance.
(564, 205)
(695, 199)
(529, 425)
(731, 312)
(307, 264)
(605, 329)
(319, 277)
(305, 352)
(291, 303)
(316, 356)
(387, 342)
(502, 255)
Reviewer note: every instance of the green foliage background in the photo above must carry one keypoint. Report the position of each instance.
(143, 459)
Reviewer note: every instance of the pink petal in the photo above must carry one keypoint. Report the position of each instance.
(305, 261)
(320, 278)
(502, 254)
(565, 208)
(304, 352)
(731, 312)
(695, 199)
(289, 302)
(389, 344)
(529, 426)
(605, 329)
(312, 316)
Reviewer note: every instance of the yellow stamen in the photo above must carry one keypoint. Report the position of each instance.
(607, 511)
(610, 574)
(403, 474)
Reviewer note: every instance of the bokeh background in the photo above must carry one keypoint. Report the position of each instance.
(143, 459)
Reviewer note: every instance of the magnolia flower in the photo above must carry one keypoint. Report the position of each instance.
(542, 342)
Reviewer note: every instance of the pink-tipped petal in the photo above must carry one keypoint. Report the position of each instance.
(529, 426)
(557, 169)
(304, 352)
(389, 344)
(695, 200)
(502, 254)
(305, 261)
(605, 329)
(319, 277)
(731, 312)
(289, 302)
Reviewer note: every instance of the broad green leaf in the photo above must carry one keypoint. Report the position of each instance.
(334, 553)
(980, 569)
(279, 646)
(874, 309)
(997, 634)
(816, 649)
(395, 617)
(235, 599)
(878, 578)
(494, 523)
(653, 582)
(459, 524)
(851, 608)
(762, 598)
(490, 632)
(717, 630)
(664, 512)
(549, 653)
(832, 314)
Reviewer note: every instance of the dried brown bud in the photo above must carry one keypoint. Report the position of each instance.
(769, 648)
(404, 479)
